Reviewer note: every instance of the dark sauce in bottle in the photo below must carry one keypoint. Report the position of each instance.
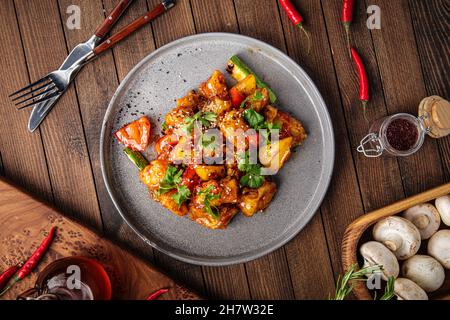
(402, 134)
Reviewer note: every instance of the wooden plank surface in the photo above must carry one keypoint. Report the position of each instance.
(406, 60)
(26, 221)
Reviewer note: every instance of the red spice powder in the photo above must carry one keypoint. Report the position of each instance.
(402, 134)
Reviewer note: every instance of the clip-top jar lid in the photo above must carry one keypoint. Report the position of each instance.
(435, 114)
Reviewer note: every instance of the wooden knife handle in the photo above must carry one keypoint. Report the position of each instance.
(112, 18)
(129, 29)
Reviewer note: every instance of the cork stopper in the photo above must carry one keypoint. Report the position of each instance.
(435, 113)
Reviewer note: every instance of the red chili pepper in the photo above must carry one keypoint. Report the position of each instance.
(7, 275)
(295, 17)
(347, 12)
(347, 18)
(35, 258)
(190, 179)
(363, 80)
(156, 294)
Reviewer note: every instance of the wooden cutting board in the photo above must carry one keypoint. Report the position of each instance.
(24, 221)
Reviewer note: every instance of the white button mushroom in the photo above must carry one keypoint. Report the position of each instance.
(424, 270)
(439, 247)
(399, 235)
(425, 217)
(406, 289)
(375, 253)
(443, 206)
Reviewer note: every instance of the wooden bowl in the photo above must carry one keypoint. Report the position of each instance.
(353, 233)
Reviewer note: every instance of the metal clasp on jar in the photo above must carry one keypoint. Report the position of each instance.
(370, 139)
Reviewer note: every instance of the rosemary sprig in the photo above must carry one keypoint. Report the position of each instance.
(389, 290)
(344, 286)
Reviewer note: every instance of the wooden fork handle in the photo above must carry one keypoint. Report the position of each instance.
(129, 29)
(112, 18)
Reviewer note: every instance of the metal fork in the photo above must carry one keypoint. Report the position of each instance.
(48, 89)
(50, 86)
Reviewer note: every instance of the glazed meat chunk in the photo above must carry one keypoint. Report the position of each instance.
(207, 207)
(215, 86)
(290, 127)
(152, 174)
(253, 200)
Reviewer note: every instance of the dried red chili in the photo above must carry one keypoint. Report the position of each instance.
(295, 17)
(347, 17)
(363, 80)
(7, 275)
(156, 294)
(34, 260)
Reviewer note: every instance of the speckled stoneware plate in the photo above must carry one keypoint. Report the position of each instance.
(151, 89)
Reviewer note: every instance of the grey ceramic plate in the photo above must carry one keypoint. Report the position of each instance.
(150, 89)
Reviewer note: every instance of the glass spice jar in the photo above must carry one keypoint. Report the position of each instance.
(402, 134)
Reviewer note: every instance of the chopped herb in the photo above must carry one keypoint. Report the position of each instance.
(183, 194)
(172, 180)
(207, 141)
(257, 96)
(257, 122)
(210, 116)
(252, 180)
(252, 177)
(208, 198)
(253, 118)
(205, 118)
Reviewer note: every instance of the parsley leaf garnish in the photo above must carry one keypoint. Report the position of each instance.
(253, 118)
(257, 121)
(252, 177)
(205, 118)
(208, 198)
(172, 180)
(257, 96)
(207, 141)
(183, 193)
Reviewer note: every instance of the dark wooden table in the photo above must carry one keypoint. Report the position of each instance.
(406, 60)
